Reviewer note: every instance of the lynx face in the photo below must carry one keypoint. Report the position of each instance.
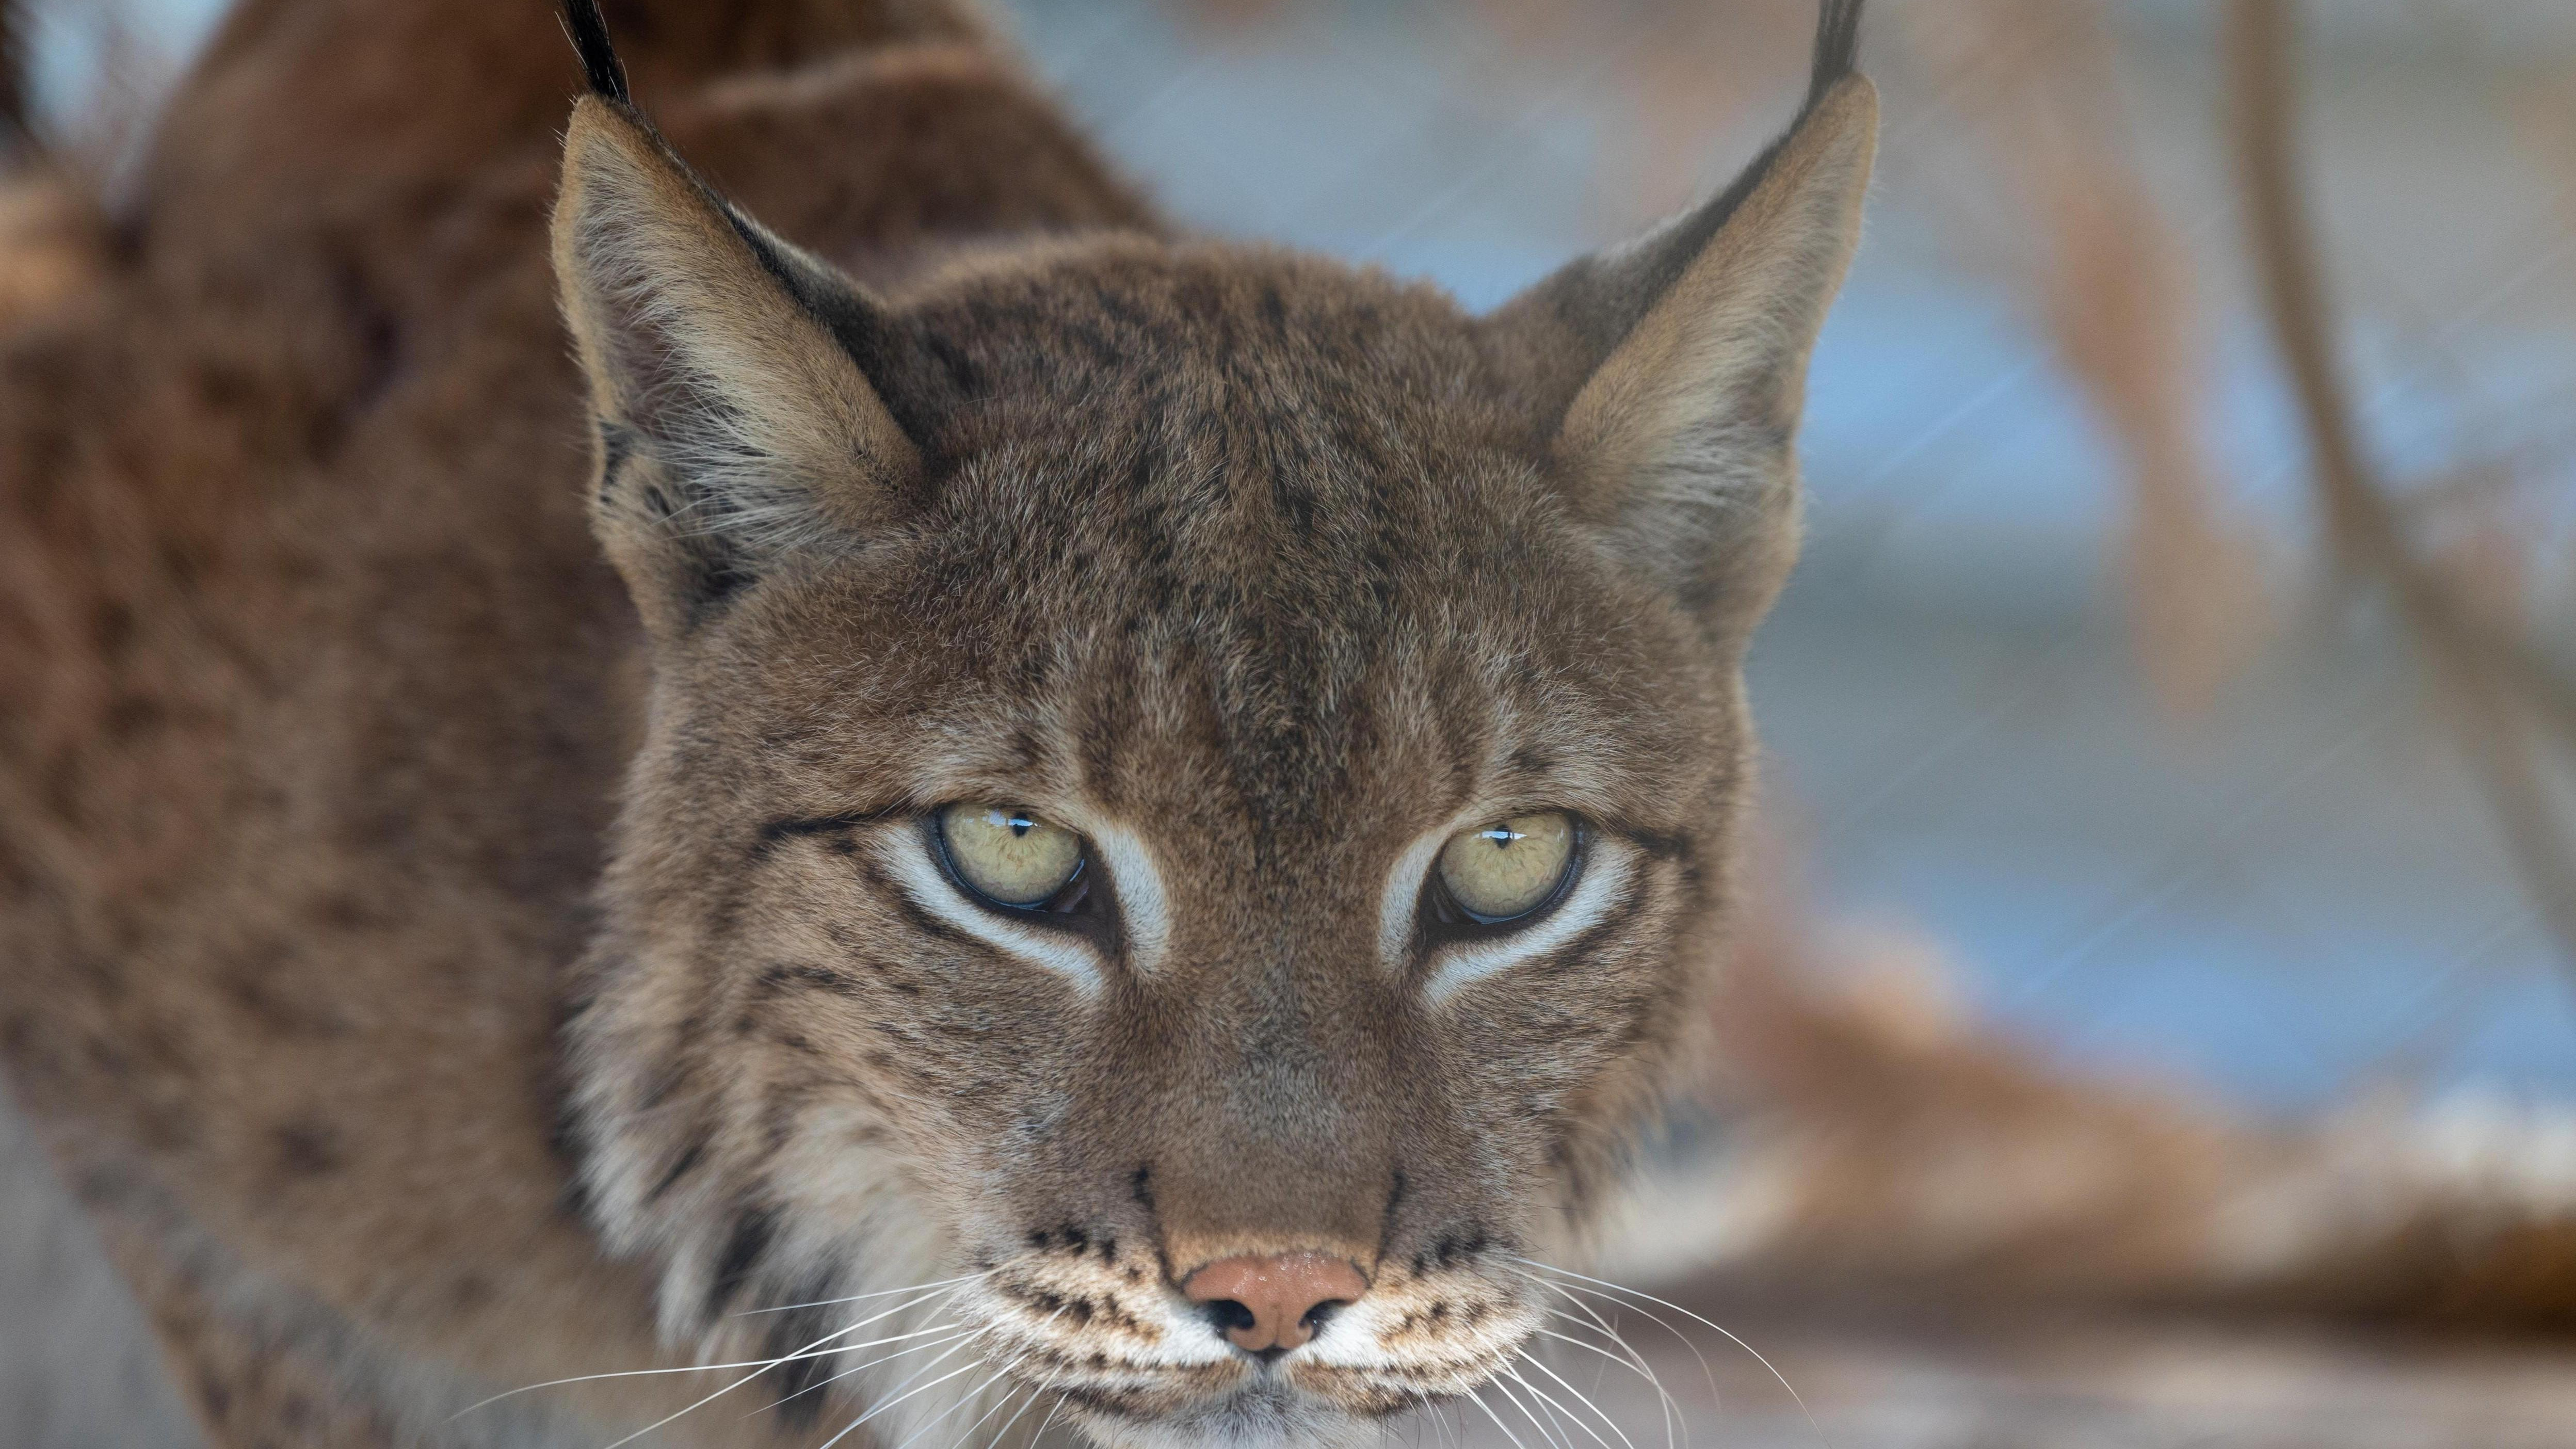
(1189, 791)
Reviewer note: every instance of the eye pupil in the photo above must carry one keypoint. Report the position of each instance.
(1012, 857)
(1531, 858)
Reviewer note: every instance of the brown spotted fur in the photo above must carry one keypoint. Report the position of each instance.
(331, 745)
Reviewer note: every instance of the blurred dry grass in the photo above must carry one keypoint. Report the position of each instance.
(1884, 1140)
(2507, 699)
(50, 244)
(2113, 287)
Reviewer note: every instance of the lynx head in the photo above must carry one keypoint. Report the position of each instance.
(1189, 791)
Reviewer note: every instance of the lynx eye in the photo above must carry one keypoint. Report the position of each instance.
(1504, 871)
(1011, 856)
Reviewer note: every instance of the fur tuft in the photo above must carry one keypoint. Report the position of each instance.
(1837, 47)
(599, 63)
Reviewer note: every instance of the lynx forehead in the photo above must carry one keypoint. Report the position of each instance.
(1189, 788)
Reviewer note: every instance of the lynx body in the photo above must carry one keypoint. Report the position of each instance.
(493, 890)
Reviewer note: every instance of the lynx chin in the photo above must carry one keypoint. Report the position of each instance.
(1128, 835)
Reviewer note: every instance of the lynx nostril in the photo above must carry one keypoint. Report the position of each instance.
(1268, 1305)
(1231, 1317)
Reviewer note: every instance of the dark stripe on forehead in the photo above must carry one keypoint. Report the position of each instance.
(1106, 715)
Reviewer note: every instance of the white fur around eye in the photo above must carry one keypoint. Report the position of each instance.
(1402, 896)
(1143, 911)
(1462, 964)
(920, 877)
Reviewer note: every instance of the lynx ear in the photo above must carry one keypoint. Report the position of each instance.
(1674, 368)
(735, 426)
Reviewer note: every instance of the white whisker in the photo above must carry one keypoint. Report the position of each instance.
(1581, 1398)
(765, 1365)
(1608, 1358)
(864, 1297)
(702, 1403)
(1545, 1434)
(758, 1366)
(1638, 1360)
(956, 1334)
(963, 1400)
(1026, 1404)
(1794, 1396)
(897, 1399)
(1052, 1410)
(695, 1368)
(1635, 1361)
(1035, 1394)
(1477, 1399)
(955, 1346)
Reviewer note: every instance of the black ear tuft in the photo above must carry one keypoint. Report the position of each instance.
(1674, 368)
(1837, 46)
(589, 31)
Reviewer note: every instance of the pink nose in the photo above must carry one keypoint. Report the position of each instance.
(1270, 1305)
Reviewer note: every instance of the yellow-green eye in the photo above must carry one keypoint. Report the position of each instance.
(1009, 855)
(1508, 869)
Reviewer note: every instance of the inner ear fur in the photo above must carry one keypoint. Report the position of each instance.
(734, 426)
(1674, 368)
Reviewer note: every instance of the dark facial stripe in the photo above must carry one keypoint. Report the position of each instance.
(664, 1080)
(1613, 924)
(1140, 1186)
(752, 1233)
(1661, 845)
(680, 1167)
(570, 1142)
(616, 447)
(775, 831)
(798, 1382)
(808, 976)
(1386, 1218)
(1569, 1171)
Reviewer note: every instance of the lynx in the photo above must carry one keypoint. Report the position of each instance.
(1128, 835)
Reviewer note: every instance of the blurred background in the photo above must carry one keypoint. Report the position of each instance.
(2160, 1027)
